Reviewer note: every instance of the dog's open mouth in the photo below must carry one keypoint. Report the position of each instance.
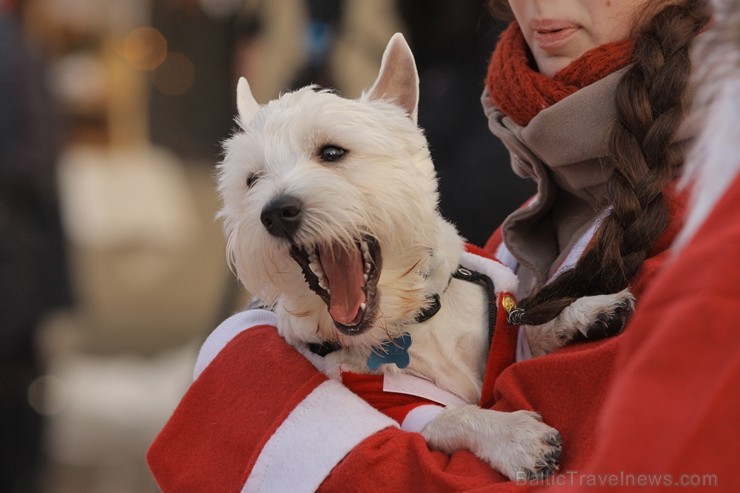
(345, 279)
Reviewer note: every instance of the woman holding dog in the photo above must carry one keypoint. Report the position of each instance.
(589, 97)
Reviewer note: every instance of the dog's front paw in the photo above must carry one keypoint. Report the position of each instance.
(525, 449)
(517, 444)
(612, 317)
(590, 318)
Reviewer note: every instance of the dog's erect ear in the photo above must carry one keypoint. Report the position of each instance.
(398, 80)
(245, 102)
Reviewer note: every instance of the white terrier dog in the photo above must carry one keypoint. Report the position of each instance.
(330, 210)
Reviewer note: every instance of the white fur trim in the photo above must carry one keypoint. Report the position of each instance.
(402, 383)
(314, 437)
(228, 330)
(419, 417)
(503, 277)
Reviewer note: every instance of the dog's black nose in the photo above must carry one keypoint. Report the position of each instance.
(282, 216)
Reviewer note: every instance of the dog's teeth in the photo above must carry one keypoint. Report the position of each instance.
(365, 277)
(316, 268)
(363, 306)
(367, 266)
(365, 252)
(322, 282)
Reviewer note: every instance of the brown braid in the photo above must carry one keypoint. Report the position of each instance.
(650, 106)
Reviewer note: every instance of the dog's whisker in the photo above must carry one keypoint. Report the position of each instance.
(412, 268)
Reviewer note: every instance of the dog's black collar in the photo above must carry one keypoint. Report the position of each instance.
(430, 310)
(465, 274)
(324, 348)
(461, 273)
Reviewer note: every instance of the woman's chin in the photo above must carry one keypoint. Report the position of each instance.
(550, 65)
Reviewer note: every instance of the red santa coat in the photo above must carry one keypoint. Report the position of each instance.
(260, 417)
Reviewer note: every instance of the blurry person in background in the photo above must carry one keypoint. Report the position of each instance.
(33, 277)
(451, 42)
(322, 26)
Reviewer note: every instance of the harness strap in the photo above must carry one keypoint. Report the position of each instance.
(465, 274)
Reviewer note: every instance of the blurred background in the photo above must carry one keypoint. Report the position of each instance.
(112, 266)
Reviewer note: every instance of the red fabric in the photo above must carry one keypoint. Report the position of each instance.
(217, 431)
(392, 404)
(501, 356)
(521, 92)
(394, 461)
(504, 334)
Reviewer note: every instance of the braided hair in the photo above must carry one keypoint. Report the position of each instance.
(650, 100)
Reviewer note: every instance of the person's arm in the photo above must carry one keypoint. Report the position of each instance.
(260, 417)
(258, 411)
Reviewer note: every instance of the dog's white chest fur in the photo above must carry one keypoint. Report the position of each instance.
(449, 349)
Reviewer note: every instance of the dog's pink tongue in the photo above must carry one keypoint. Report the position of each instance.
(344, 272)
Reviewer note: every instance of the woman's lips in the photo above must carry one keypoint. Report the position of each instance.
(550, 34)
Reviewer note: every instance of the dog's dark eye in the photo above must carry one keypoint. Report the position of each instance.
(331, 153)
(252, 179)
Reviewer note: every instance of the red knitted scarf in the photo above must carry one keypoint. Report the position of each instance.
(521, 92)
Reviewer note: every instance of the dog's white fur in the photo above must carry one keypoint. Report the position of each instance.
(385, 186)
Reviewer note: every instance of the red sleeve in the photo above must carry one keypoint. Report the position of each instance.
(260, 417)
(207, 445)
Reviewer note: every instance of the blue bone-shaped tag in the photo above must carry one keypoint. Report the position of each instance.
(394, 351)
